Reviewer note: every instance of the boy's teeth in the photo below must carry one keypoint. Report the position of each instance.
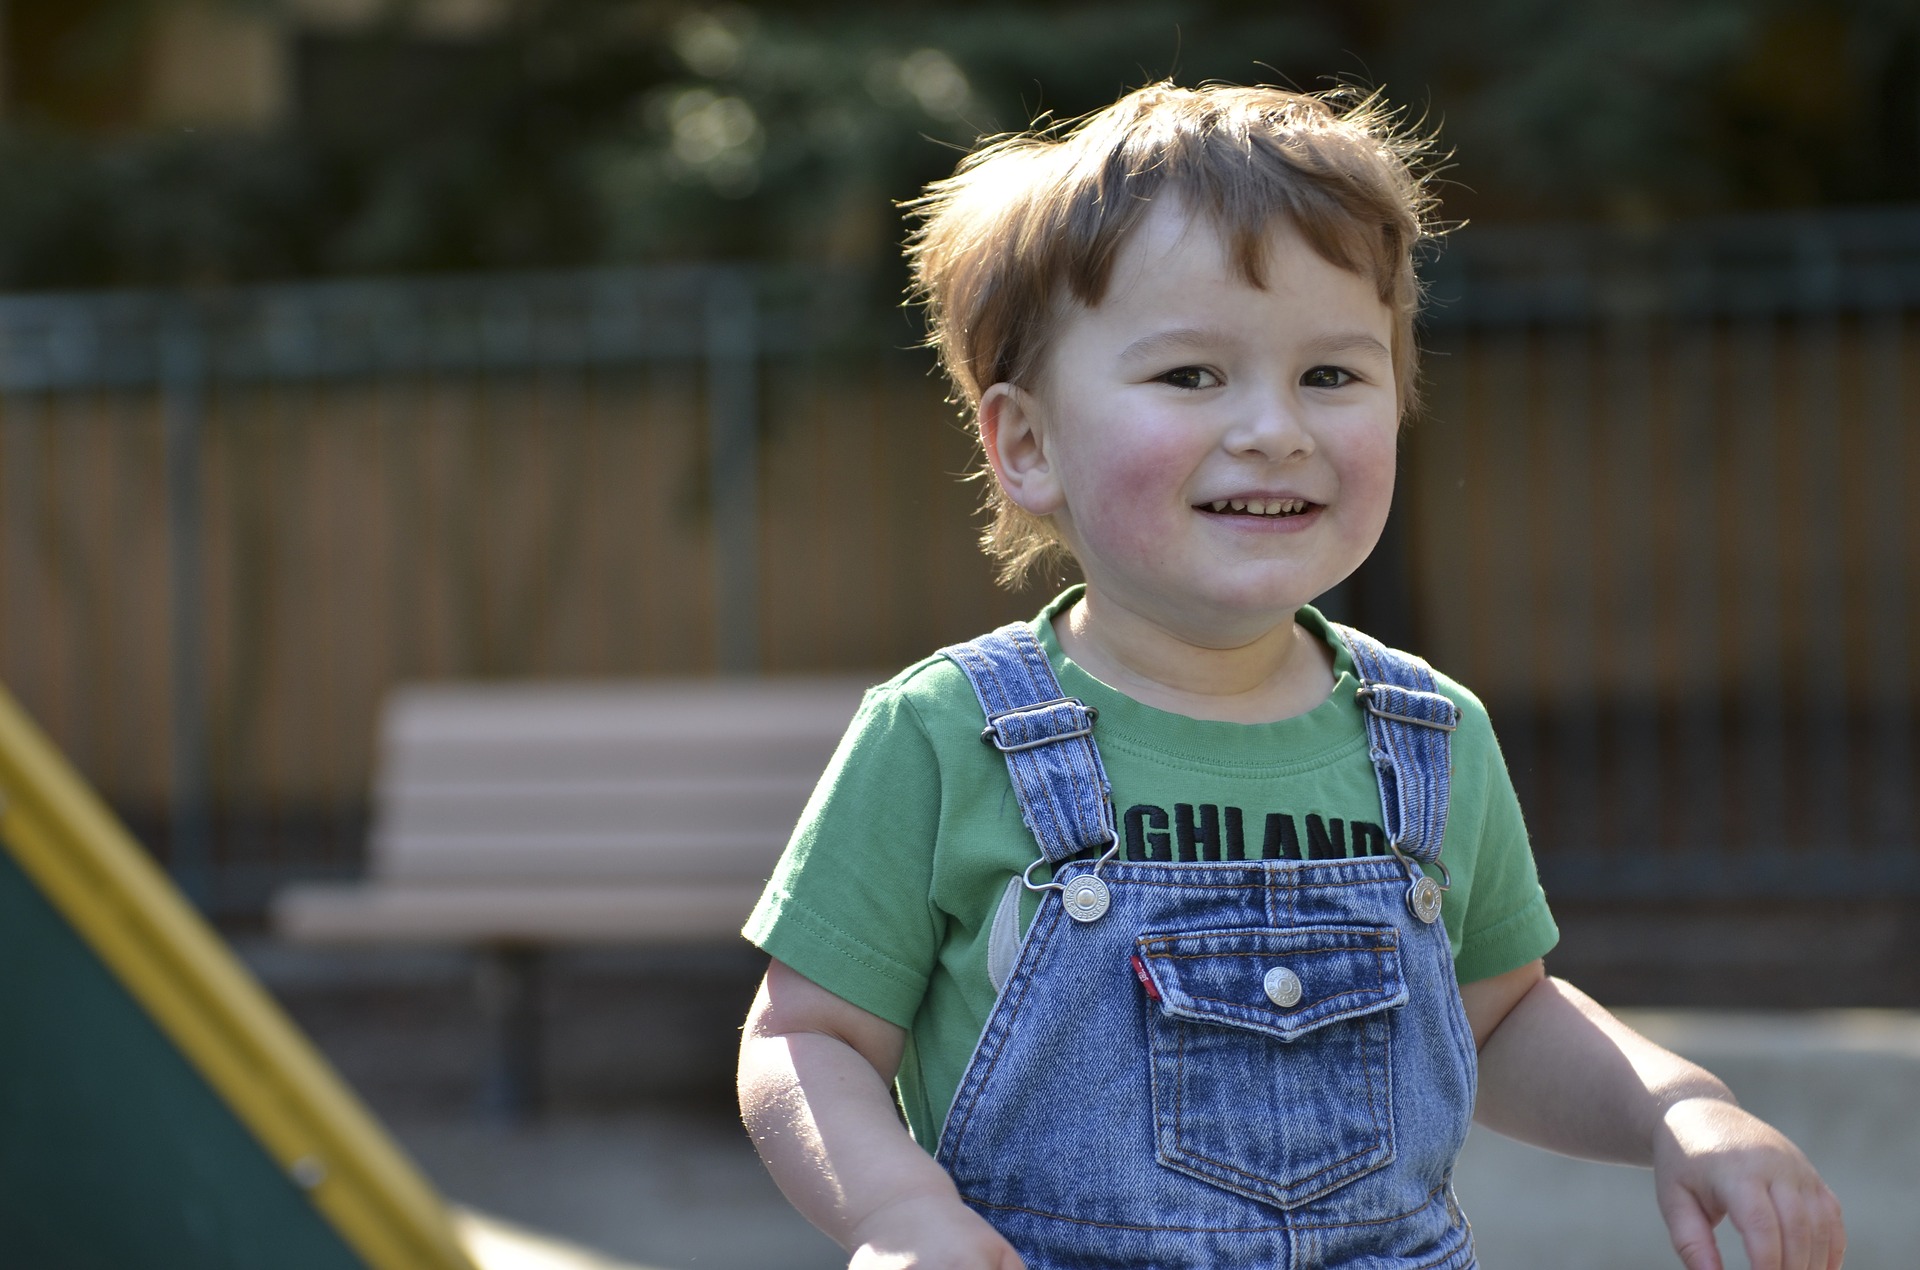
(1262, 506)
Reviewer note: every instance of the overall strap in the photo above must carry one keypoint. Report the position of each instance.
(1046, 738)
(1409, 728)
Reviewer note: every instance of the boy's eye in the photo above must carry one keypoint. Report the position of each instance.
(1325, 377)
(1190, 377)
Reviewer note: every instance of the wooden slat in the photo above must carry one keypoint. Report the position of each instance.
(454, 762)
(612, 711)
(473, 914)
(564, 808)
(614, 859)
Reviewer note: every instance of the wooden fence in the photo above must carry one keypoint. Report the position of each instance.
(1656, 513)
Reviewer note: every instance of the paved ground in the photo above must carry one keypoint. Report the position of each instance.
(1845, 1085)
(640, 1159)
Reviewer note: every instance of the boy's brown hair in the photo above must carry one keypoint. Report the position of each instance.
(1032, 222)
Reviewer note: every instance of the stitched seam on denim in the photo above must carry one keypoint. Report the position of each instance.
(1398, 814)
(1088, 780)
(1036, 797)
(1366, 1007)
(1037, 940)
(1461, 1028)
(1273, 1029)
(1266, 1184)
(1379, 1101)
(1419, 807)
(1452, 1256)
(1108, 1225)
(1084, 779)
(1379, 1221)
(1180, 1092)
(1041, 681)
(1366, 936)
(1295, 1183)
(1270, 1185)
(1202, 885)
(1200, 882)
(1265, 952)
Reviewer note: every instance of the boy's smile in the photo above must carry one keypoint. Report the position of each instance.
(1215, 454)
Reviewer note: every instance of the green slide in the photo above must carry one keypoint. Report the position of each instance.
(157, 1110)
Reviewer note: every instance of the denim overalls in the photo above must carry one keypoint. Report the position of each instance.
(1216, 1066)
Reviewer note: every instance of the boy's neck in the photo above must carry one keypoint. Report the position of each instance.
(1283, 672)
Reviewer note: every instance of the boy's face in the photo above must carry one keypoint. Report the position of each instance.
(1215, 454)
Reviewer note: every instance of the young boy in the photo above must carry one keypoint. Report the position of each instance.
(1197, 960)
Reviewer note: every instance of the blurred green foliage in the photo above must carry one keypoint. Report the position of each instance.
(581, 131)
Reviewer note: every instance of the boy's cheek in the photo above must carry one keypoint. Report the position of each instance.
(1137, 493)
(1122, 535)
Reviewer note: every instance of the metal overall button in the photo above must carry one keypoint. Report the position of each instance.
(1423, 897)
(1283, 987)
(1086, 898)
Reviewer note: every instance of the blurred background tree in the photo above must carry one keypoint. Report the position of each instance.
(423, 135)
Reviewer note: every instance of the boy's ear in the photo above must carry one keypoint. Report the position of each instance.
(1013, 434)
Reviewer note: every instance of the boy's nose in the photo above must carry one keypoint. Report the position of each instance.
(1272, 427)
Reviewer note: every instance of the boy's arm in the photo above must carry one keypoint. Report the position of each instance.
(814, 1076)
(1560, 1072)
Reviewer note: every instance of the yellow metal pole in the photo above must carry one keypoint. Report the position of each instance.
(66, 840)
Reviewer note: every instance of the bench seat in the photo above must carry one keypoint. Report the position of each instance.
(516, 818)
(638, 813)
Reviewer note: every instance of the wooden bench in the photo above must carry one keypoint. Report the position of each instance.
(517, 818)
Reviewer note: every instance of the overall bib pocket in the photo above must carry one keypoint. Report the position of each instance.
(1271, 1057)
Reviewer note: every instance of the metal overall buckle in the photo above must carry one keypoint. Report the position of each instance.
(991, 733)
(1084, 896)
(1365, 693)
(1425, 895)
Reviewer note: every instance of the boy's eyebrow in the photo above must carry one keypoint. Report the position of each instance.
(1349, 342)
(1180, 337)
(1185, 337)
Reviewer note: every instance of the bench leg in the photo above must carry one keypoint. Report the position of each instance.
(508, 981)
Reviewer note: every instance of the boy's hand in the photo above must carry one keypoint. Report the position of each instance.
(1713, 1160)
(926, 1232)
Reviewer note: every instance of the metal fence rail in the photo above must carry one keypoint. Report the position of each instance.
(1655, 513)
(230, 521)
(1684, 462)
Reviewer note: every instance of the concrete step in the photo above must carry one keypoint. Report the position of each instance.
(1844, 1085)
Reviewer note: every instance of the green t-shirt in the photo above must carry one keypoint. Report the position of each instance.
(887, 892)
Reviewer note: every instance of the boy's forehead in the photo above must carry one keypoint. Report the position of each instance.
(1169, 251)
(1170, 235)
(1173, 253)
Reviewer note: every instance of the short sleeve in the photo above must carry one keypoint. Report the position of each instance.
(1505, 922)
(848, 905)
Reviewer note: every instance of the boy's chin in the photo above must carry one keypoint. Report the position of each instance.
(1235, 605)
(1265, 596)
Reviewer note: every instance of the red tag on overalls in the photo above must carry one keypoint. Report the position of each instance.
(1146, 980)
